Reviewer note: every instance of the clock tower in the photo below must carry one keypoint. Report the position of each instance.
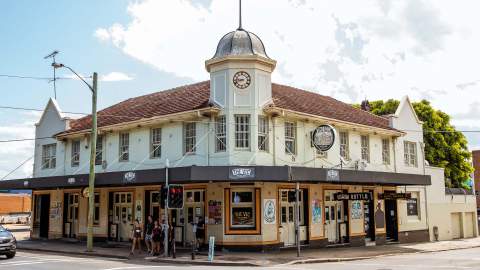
(240, 83)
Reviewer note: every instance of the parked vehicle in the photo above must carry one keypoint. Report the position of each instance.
(8, 243)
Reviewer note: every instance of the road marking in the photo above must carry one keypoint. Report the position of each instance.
(137, 267)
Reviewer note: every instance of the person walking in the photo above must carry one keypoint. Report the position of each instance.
(148, 235)
(136, 237)
(156, 238)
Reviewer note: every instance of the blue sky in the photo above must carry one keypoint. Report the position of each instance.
(377, 49)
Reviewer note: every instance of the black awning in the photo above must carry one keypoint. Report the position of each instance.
(202, 174)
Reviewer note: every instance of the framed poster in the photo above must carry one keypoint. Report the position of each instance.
(356, 210)
(269, 211)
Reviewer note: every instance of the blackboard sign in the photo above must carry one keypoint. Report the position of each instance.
(360, 196)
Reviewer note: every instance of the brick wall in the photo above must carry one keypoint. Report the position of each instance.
(476, 174)
(14, 203)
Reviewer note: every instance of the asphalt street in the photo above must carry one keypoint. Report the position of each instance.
(457, 259)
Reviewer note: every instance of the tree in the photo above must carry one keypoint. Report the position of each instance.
(444, 146)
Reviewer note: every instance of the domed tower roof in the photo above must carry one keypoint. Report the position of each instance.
(240, 42)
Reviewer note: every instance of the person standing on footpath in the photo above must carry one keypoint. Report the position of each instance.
(148, 235)
(136, 237)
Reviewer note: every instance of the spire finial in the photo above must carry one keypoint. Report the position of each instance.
(240, 14)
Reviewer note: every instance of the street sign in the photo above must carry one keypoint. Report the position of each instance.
(394, 196)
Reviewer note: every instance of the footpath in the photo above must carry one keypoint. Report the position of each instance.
(270, 258)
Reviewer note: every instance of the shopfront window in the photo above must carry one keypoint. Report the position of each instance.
(412, 207)
(242, 209)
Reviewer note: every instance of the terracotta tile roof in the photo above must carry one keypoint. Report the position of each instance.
(196, 96)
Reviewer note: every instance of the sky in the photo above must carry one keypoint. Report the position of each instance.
(351, 50)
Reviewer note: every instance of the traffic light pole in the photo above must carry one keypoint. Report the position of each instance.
(166, 227)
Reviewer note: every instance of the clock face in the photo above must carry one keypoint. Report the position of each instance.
(241, 79)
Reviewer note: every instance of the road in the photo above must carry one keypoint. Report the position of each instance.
(457, 259)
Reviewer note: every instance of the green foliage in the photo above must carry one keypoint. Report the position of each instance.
(444, 146)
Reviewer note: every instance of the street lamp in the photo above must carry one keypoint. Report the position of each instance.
(93, 147)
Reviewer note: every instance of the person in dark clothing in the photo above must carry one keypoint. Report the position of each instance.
(156, 238)
(148, 234)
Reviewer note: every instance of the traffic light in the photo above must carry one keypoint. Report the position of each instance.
(175, 196)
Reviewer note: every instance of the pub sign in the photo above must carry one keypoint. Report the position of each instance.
(359, 196)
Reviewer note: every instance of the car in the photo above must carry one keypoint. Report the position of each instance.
(8, 243)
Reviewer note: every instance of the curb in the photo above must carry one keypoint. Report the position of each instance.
(214, 263)
(92, 254)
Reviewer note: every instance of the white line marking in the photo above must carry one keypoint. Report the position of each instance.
(137, 267)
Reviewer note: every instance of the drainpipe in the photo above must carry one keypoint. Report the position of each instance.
(274, 140)
(425, 189)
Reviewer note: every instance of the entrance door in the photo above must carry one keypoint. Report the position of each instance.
(334, 217)
(155, 205)
(369, 219)
(194, 207)
(123, 214)
(391, 219)
(287, 215)
(72, 215)
(43, 209)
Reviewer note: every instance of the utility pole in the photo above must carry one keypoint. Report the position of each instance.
(91, 178)
(166, 227)
(93, 148)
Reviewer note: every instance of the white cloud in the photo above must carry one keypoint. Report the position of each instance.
(115, 76)
(377, 49)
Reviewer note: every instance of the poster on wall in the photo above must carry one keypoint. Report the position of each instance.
(356, 210)
(379, 216)
(214, 212)
(138, 210)
(269, 211)
(316, 212)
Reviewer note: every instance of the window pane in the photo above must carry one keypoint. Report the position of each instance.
(99, 151)
(242, 131)
(220, 134)
(124, 146)
(242, 197)
(75, 153)
(262, 133)
(290, 138)
(412, 207)
(243, 216)
(284, 214)
(189, 137)
(196, 196)
(156, 142)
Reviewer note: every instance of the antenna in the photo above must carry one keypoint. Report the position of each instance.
(52, 55)
(240, 14)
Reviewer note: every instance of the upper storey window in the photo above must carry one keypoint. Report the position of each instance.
(386, 151)
(344, 145)
(290, 138)
(49, 156)
(124, 148)
(242, 131)
(99, 150)
(155, 142)
(220, 134)
(75, 153)
(189, 137)
(263, 133)
(410, 153)
(365, 147)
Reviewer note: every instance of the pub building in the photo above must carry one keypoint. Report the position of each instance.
(238, 144)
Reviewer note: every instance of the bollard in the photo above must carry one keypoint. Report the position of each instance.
(193, 250)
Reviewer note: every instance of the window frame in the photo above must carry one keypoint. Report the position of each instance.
(155, 143)
(242, 132)
(99, 150)
(124, 147)
(189, 138)
(365, 147)
(290, 136)
(263, 133)
(75, 153)
(410, 154)
(416, 213)
(344, 141)
(256, 212)
(220, 134)
(49, 156)
(386, 151)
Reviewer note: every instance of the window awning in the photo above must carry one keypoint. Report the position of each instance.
(202, 174)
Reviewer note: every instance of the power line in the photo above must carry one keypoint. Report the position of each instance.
(39, 78)
(16, 168)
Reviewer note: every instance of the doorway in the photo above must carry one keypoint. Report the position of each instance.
(194, 210)
(71, 215)
(123, 214)
(287, 216)
(369, 219)
(391, 220)
(42, 211)
(336, 222)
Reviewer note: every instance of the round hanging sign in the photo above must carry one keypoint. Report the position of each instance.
(85, 192)
(323, 137)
